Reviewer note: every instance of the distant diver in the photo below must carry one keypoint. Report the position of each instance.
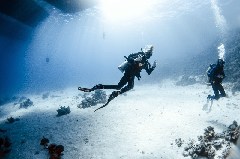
(47, 59)
(103, 35)
(132, 67)
(216, 75)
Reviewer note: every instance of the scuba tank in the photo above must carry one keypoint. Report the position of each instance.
(132, 58)
(122, 67)
(210, 73)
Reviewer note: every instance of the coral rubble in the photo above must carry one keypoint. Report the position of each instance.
(63, 111)
(26, 103)
(97, 97)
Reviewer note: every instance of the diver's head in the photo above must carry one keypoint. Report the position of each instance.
(148, 50)
(220, 62)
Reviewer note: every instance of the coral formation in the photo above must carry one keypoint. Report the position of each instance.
(211, 142)
(232, 133)
(44, 142)
(63, 111)
(4, 146)
(11, 120)
(97, 97)
(26, 103)
(55, 151)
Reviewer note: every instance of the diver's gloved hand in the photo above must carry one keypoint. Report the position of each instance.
(154, 64)
(138, 76)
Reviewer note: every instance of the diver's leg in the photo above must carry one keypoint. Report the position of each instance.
(221, 89)
(215, 90)
(84, 89)
(121, 83)
(124, 80)
(98, 86)
(129, 86)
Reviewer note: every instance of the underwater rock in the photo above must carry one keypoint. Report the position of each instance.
(211, 142)
(55, 151)
(63, 111)
(97, 97)
(12, 120)
(44, 142)
(233, 132)
(4, 146)
(26, 103)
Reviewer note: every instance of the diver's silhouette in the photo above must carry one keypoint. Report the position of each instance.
(131, 67)
(216, 75)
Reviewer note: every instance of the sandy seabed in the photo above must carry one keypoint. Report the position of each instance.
(143, 124)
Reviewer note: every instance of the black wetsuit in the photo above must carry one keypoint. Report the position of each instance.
(133, 70)
(216, 82)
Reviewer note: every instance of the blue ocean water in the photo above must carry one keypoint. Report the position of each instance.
(85, 48)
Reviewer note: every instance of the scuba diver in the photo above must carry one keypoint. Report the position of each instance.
(132, 67)
(216, 75)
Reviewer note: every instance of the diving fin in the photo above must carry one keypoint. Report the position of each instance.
(111, 97)
(85, 89)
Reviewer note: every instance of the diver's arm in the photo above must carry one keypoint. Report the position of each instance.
(150, 68)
